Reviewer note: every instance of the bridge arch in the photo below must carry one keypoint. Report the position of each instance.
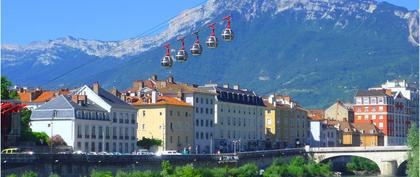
(350, 156)
(387, 158)
(402, 168)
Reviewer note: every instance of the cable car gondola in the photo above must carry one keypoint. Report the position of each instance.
(212, 40)
(181, 55)
(167, 60)
(196, 48)
(227, 33)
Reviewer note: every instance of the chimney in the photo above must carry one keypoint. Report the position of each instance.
(138, 85)
(236, 87)
(79, 99)
(171, 79)
(153, 77)
(271, 99)
(96, 87)
(115, 92)
(225, 85)
(154, 96)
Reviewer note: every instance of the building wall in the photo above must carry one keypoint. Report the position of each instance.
(239, 122)
(369, 140)
(167, 123)
(315, 136)
(203, 118)
(179, 128)
(294, 125)
(338, 112)
(64, 128)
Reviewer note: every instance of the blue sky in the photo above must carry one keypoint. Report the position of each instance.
(24, 21)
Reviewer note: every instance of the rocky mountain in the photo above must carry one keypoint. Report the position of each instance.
(315, 50)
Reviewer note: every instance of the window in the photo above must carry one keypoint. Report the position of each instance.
(380, 100)
(381, 108)
(373, 116)
(381, 124)
(207, 110)
(201, 110)
(373, 100)
(93, 132)
(211, 101)
(196, 110)
(207, 101)
(79, 131)
(196, 100)
(170, 113)
(144, 113)
(207, 123)
(359, 117)
(365, 100)
(143, 126)
(381, 117)
(366, 109)
(202, 123)
(197, 122)
(358, 100)
(211, 123)
(186, 114)
(268, 121)
(366, 117)
(211, 110)
(374, 109)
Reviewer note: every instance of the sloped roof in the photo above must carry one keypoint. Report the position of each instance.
(184, 88)
(163, 100)
(112, 99)
(366, 128)
(371, 93)
(44, 97)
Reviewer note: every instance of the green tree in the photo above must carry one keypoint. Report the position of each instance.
(362, 164)
(95, 173)
(148, 142)
(413, 159)
(26, 132)
(29, 174)
(247, 170)
(167, 168)
(12, 175)
(5, 92)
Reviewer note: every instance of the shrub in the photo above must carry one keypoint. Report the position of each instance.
(29, 174)
(95, 173)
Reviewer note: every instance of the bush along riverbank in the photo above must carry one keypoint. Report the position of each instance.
(362, 167)
(297, 167)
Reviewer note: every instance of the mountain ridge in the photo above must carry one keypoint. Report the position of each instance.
(314, 50)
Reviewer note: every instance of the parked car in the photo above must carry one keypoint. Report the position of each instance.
(168, 152)
(116, 153)
(79, 152)
(144, 152)
(104, 153)
(92, 153)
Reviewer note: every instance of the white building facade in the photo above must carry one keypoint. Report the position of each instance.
(238, 119)
(92, 120)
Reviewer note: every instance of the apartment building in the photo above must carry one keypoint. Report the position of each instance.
(387, 110)
(340, 111)
(203, 115)
(291, 121)
(91, 120)
(238, 118)
(168, 119)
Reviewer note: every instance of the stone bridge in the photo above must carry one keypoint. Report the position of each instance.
(388, 158)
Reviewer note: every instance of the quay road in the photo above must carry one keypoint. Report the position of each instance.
(80, 164)
(390, 159)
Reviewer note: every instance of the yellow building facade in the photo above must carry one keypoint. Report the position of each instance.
(286, 123)
(169, 120)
